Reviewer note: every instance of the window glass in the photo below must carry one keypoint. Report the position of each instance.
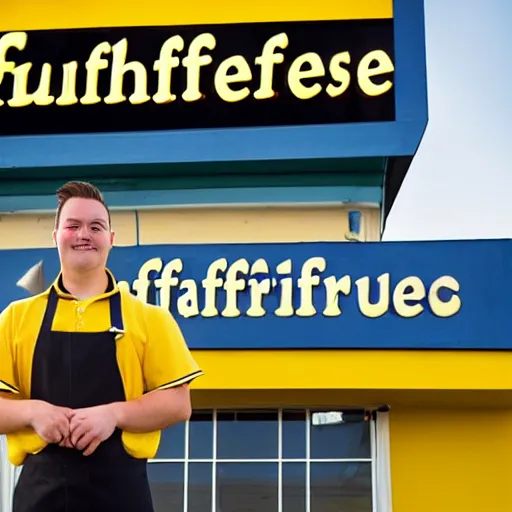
(294, 486)
(342, 441)
(166, 483)
(247, 435)
(341, 486)
(201, 435)
(172, 443)
(294, 434)
(199, 487)
(241, 484)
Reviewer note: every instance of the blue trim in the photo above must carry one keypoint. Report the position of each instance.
(155, 198)
(411, 68)
(250, 144)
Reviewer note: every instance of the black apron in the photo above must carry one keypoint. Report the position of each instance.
(80, 370)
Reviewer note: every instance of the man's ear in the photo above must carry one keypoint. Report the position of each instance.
(112, 238)
(54, 237)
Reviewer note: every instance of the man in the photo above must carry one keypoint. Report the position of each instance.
(89, 375)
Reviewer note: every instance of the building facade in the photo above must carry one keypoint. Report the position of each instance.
(250, 158)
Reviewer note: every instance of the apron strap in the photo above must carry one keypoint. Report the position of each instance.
(51, 307)
(116, 315)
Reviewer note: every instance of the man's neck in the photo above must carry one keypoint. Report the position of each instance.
(84, 285)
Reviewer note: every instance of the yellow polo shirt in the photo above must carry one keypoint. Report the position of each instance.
(151, 354)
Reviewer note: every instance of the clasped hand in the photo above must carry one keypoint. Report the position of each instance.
(83, 429)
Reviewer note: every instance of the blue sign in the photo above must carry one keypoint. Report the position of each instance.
(407, 295)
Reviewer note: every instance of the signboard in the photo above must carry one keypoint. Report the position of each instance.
(196, 76)
(421, 295)
(220, 83)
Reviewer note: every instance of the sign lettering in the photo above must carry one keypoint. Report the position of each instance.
(256, 282)
(271, 55)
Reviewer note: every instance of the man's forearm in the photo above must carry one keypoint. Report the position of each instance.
(15, 415)
(154, 411)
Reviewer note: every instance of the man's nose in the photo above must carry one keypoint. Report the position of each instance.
(84, 233)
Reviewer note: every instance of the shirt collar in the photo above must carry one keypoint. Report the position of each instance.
(112, 287)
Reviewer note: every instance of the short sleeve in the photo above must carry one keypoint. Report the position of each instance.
(8, 383)
(167, 360)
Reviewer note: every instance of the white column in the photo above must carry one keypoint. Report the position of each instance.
(6, 478)
(382, 463)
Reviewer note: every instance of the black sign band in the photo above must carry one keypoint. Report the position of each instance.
(214, 76)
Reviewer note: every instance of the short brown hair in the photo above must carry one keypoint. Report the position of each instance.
(80, 189)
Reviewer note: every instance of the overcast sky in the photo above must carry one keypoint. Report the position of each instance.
(460, 182)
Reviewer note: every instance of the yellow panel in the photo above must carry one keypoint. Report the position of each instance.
(353, 369)
(125, 226)
(451, 461)
(35, 14)
(26, 231)
(246, 225)
(35, 231)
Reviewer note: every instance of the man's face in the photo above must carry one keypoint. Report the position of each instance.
(83, 236)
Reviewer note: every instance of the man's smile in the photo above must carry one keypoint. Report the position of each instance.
(84, 247)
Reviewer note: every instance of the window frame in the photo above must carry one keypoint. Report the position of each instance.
(214, 460)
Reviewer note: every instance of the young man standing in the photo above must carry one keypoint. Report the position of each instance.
(89, 376)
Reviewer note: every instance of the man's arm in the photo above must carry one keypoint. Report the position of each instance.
(154, 411)
(15, 415)
(50, 422)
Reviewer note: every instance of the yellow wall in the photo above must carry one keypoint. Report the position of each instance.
(25, 231)
(203, 225)
(451, 460)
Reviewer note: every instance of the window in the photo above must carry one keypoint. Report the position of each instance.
(265, 461)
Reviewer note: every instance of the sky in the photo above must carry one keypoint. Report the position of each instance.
(459, 185)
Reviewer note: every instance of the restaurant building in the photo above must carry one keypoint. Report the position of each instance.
(250, 159)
